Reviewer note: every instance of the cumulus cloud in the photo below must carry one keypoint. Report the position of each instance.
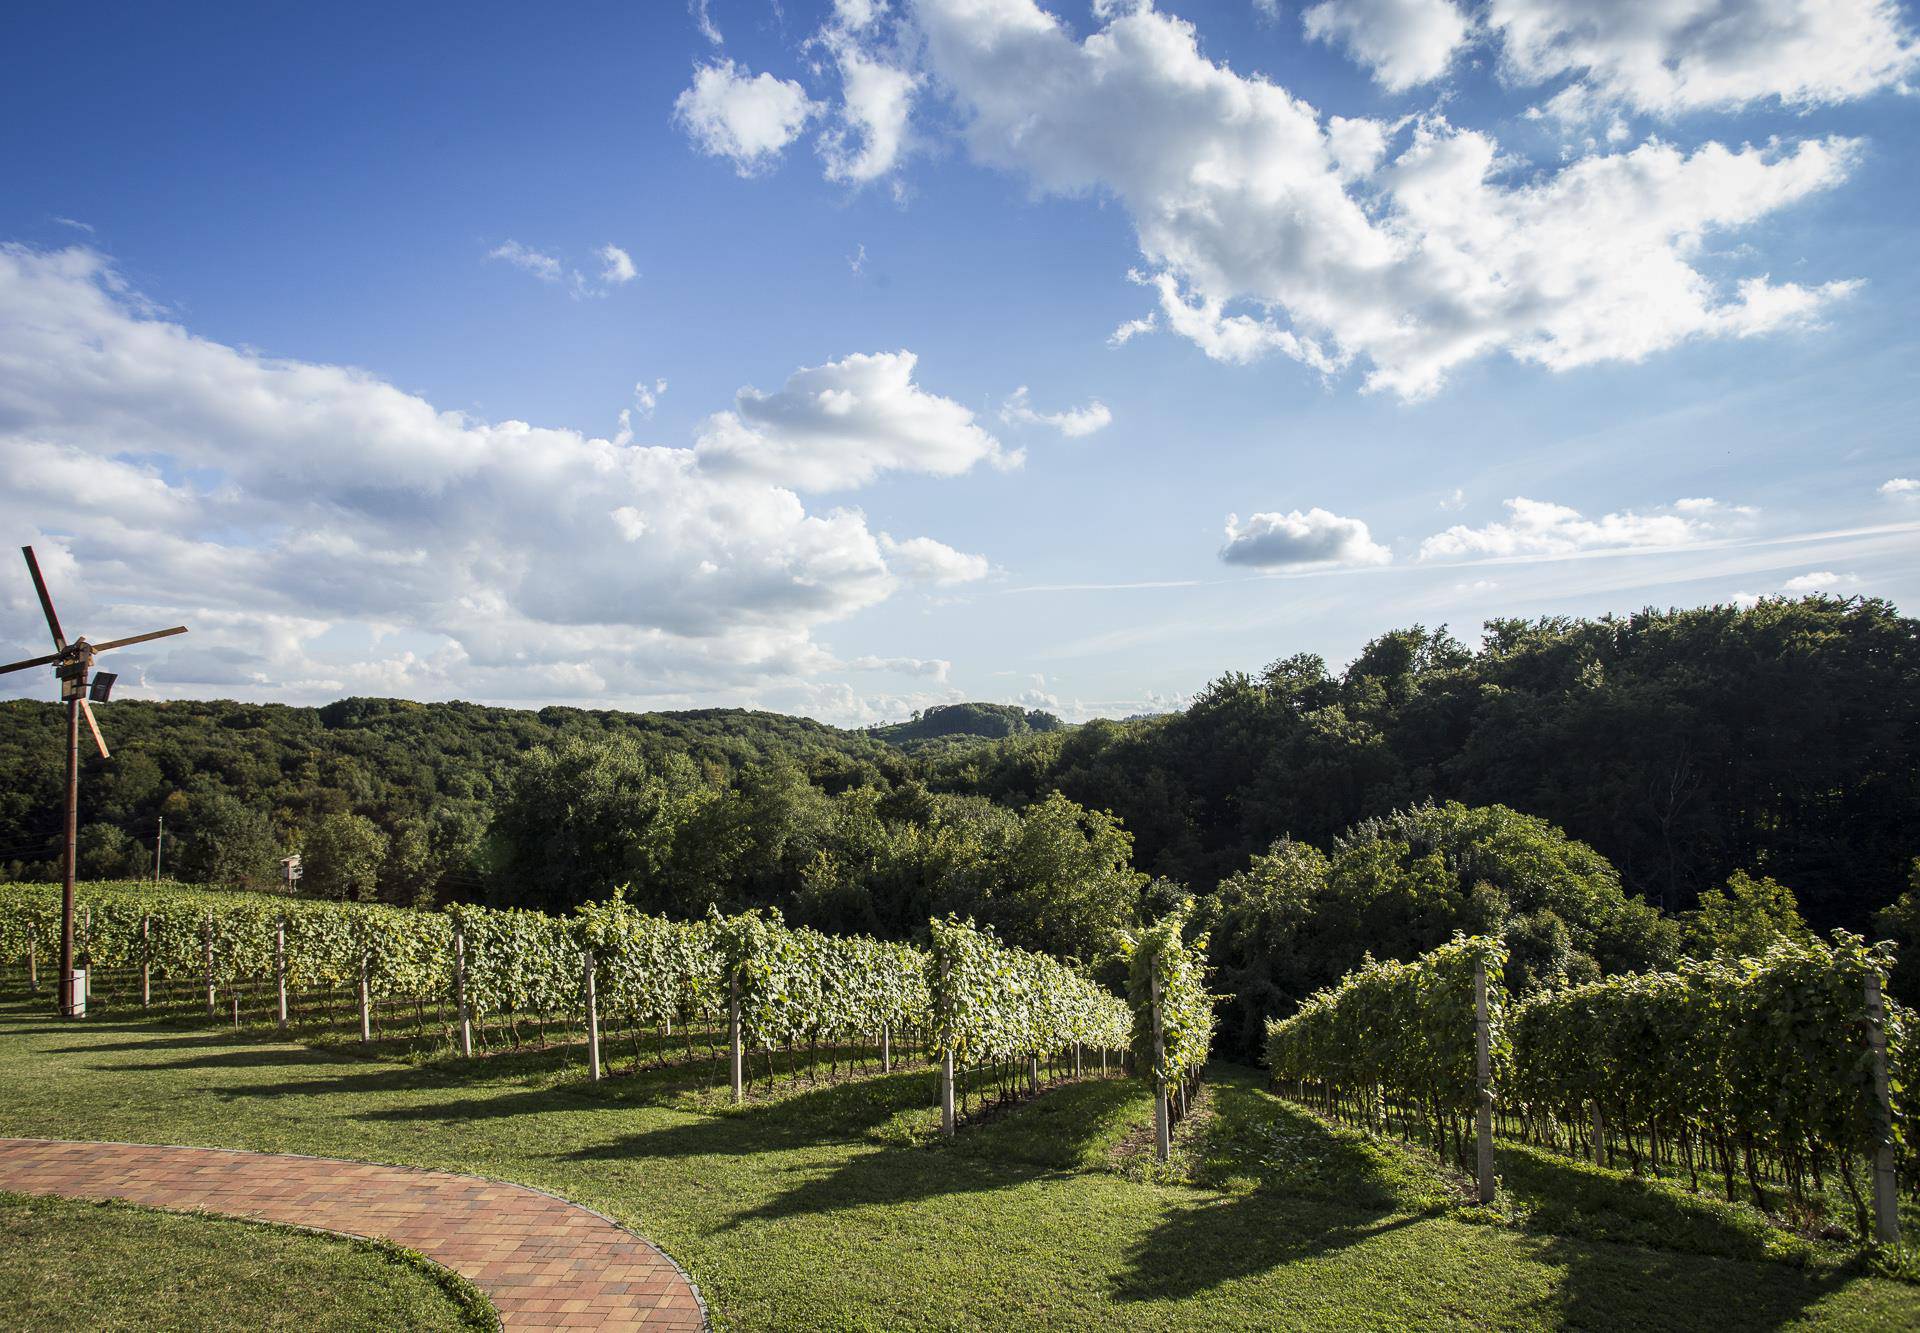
(844, 423)
(870, 133)
(1404, 42)
(1820, 580)
(1073, 423)
(1314, 539)
(924, 560)
(1900, 488)
(1540, 528)
(617, 265)
(1269, 229)
(272, 502)
(1671, 56)
(747, 118)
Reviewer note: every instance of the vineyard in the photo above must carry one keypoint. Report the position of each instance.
(1779, 1072)
(486, 979)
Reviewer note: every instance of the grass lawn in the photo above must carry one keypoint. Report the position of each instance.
(71, 1264)
(830, 1207)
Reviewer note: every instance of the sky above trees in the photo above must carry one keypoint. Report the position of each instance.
(843, 359)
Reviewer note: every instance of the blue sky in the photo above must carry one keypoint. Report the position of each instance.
(1447, 313)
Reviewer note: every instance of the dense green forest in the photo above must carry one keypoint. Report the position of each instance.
(1609, 792)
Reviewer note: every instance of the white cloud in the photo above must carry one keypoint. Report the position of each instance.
(1267, 231)
(616, 268)
(618, 265)
(1073, 423)
(1404, 42)
(857, 261)
(704, 21)
(544, 267)
(1670, 56)
(281, 507)
(76, 224)
(935, 668)
(1133, 328)
(1315, 538)
(646, 397)
(1821, 580)
(1454, 499)
(1539, 528)
(1900, 487)
(750, 119)
(844, 423)
(871, 130)
(924, 560)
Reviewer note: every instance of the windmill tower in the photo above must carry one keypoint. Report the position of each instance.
(80, 688)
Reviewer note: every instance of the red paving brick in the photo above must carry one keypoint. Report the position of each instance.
(543, 1262)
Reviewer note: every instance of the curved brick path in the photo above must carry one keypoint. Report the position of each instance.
(544, 1262)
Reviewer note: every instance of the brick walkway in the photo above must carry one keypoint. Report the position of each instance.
(544, 1262)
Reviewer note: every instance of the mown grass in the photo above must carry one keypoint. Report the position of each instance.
(73, 1264)
(837, 1206)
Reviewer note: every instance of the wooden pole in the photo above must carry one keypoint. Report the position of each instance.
(146, 962)
(1076, 1059)
(1599, 1136)
(886, 1048)
(1162, 1129)
(1886, 1182)
(1033, 1073)
(366, 1003)
(593, 1019)
(733, 1035)
(946, 1063)
(33, 965)
(946, 1093)
(212, 1008)
(460, 989)
(66, 1000)
(1483, 1076)
(280, 968)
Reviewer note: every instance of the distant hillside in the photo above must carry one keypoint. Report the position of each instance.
(945, 725)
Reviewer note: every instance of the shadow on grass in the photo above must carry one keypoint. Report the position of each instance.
(1614, 1286)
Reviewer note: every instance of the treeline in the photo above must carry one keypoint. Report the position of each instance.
(1684, 745)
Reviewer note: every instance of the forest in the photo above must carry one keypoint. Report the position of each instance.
(1608, 792)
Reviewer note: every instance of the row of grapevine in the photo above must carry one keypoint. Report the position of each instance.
(994, 1006)
(1756, 1067)
(1401, 1041)
(1172, 1018)
(485, 971)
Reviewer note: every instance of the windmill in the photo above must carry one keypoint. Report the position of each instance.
(72, 665)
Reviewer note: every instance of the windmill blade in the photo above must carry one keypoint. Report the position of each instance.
(30, 662)
(138, 638)
(98, 739)
(46, 601)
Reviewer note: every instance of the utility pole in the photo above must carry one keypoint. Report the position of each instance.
(72, 665)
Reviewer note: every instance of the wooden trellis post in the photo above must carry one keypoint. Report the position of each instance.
(1599, 1135)
(280, 968)
(1483, 1077)
(593, 1019)
(733, 1035)
(1162, 1129)
(1076, 1059)
(146, 963)
(366, 1002)
(1033, 1073)
(946, 1068)
(460, 989)
(33, 966)
(1886, 1182)
(886, 1048)
(212, 1009)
